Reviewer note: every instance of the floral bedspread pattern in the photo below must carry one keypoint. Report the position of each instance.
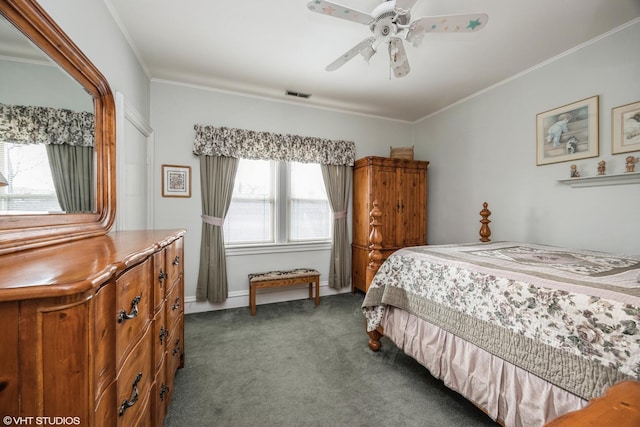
(577, 313)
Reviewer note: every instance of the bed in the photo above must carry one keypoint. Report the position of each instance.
(526, 332)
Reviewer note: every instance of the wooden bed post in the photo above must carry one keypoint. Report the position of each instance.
(375, 244)
(375, 260)
(485, 231)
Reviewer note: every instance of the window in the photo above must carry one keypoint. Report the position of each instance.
(30, 189)
(277, 203)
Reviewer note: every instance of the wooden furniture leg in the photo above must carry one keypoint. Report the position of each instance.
(274, 279)
(252, 298)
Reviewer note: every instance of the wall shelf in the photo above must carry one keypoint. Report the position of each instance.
(595, 181)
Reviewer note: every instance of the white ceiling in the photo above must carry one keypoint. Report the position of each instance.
(266, 47)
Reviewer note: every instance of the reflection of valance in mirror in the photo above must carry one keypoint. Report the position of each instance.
(247, 144)
(21, 124)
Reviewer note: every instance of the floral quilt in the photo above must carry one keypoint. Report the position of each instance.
(576, 311)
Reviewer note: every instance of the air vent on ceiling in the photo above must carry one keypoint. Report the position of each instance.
(298, 94)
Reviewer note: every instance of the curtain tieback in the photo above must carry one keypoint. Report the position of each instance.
(340, 215)
(212, 220)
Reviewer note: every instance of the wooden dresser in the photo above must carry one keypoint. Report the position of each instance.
(93, 330)
(400, 187)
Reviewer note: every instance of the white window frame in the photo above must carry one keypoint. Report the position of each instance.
(282, 243)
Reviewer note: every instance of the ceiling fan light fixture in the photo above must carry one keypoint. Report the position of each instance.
(390, 22)
(368, 52)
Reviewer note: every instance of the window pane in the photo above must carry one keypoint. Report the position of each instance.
(309, 211)
(250, 216)
(30, 189)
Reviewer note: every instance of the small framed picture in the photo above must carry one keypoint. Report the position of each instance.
(625, 128)
(568, 133)
(176, 181)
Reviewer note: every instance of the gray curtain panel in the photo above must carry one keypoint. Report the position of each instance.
(217, 176)
(73, 176)
(337, 180)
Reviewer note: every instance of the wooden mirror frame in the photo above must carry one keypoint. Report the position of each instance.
(19, 232)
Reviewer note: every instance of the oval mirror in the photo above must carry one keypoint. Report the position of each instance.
(57, 135)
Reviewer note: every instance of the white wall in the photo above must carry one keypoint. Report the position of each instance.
(176, 108)
(91, 26)
(484, 149)
(44, 85)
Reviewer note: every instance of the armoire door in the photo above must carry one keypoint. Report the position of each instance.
(412, 210)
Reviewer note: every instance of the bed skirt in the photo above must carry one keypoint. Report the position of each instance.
(507, 393)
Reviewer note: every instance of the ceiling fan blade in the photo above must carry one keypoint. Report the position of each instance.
(333, 9)
(445, 24)
(365, 47)
(398, 57)
(404, 6)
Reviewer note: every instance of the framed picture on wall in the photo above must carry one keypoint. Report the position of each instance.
(568, 133)
(625, 128)
(176, 181)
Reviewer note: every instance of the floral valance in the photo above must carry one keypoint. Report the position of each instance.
(21, 124)
(247, 144)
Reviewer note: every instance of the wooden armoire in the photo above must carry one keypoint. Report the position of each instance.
(400, 187)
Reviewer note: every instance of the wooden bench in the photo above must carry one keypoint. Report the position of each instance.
(274, 279)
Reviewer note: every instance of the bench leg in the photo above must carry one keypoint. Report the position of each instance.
(252, 299)
(317, 283)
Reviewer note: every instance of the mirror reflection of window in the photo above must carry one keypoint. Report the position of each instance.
(29, 181)
(35, 93)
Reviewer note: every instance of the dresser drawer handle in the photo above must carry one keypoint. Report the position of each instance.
(162, 276)
(176, 349)
(163, 333)
(176, 305)
(164, 390)
(126, 404)
(123, 315)
(176, 260)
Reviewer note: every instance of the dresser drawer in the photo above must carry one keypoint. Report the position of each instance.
(160, 279)
(160, 337)
(134, 382)
(160, 396)
(175, 352)
(175, 260)
(9, 358)
(133, 305)
(174, 303)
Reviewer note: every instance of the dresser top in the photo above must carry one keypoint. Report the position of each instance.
(77, 266)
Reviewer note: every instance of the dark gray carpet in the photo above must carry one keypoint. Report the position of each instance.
(295, 364)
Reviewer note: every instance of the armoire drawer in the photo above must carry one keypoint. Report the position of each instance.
(133, 304)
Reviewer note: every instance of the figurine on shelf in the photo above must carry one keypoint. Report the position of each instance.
(631, 163)
(601, 164)
(574, 172)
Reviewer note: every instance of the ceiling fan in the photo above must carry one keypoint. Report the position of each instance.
(390, 22)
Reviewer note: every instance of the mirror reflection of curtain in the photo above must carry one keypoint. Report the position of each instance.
(69, 137)
(72, 172)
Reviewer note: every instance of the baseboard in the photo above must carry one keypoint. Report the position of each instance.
(263, 296)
